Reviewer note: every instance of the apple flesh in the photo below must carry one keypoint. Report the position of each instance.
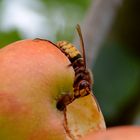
(34, 77)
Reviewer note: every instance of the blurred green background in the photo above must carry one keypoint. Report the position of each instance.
(117, 66)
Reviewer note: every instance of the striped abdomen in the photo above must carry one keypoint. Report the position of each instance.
(69, 50)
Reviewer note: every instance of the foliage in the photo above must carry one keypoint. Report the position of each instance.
(117, 75)
(8, 37)
(117, 69)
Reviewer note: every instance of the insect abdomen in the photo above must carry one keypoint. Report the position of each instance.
(69, 50)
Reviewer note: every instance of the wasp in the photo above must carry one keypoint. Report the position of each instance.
(83, 79)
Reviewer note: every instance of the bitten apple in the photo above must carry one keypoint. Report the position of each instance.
(34, 76)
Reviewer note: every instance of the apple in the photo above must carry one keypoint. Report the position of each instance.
(116, 133)
(34, 77)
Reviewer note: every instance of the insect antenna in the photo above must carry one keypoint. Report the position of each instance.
(81, 43)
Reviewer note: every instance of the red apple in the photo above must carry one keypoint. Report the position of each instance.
(34, 75)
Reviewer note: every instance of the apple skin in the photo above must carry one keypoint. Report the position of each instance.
(116, 133)
(34, 74)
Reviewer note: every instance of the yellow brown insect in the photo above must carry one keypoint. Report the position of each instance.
(83, 79)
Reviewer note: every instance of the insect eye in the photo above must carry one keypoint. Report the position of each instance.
(83, 84)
